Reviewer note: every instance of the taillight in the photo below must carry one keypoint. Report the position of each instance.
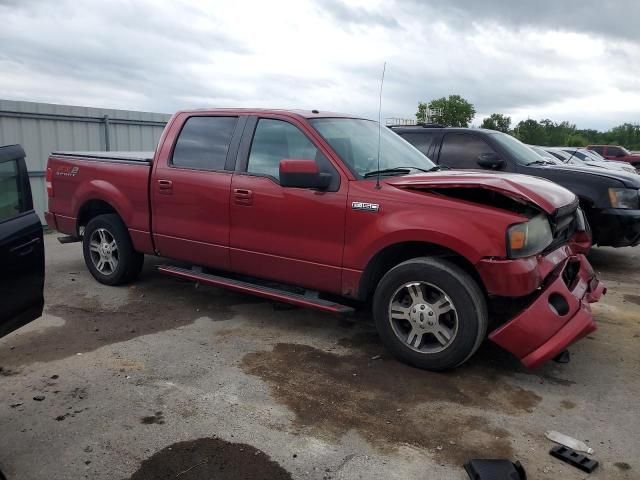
(49, 181)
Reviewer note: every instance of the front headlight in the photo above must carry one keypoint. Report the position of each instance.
(624, 198)
(529, 238)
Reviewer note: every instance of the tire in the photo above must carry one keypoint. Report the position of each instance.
(107, 237)
(438, 321)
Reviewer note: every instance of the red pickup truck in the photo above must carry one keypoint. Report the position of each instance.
(310, 208)
(616, 152)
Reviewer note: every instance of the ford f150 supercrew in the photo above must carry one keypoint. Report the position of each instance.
(309, 207)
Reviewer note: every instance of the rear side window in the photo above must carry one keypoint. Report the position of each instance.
(12, 194)
(204, 142)
(460, 150)
(422, 141)
(600, 150)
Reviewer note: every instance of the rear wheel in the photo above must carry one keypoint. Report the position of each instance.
(108, 251)
(430, 313)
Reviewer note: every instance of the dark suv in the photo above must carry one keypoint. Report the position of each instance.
(610, 199)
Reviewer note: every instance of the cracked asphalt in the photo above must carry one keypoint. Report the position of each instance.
(164, 380)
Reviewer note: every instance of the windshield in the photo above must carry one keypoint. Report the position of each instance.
(356, 142)
(518, 150)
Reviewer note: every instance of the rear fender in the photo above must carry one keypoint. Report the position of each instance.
(106, 192)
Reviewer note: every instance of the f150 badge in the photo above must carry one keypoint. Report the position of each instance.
(67, 171)
(367, 207)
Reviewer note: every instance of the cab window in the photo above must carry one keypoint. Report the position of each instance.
(204, 142)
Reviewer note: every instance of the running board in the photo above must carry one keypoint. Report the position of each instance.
(256, 289)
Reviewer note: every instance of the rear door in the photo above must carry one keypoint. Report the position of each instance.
(21, 245)
(191, 191)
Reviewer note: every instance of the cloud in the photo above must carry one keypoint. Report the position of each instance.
(557, 60)
(356, 15)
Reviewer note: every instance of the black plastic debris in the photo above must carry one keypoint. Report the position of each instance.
(495, 469)
(574, 458)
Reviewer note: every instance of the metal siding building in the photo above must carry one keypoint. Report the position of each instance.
(42, 128)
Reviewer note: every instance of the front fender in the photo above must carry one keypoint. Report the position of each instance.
(473, 233)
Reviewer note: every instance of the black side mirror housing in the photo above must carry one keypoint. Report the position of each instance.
(490, 161)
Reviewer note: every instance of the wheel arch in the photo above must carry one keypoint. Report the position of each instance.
(394, 254)
(91, 209)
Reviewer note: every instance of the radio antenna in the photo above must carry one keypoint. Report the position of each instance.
(384, 67)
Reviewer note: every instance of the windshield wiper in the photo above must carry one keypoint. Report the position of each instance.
(540, 162)
(437, 168)
(393, 171)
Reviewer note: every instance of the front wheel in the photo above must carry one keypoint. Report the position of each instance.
(108, 251)
(430, 313)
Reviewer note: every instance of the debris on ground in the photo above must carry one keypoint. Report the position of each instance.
(39, 398)
(495, 469)
(568, 441)
(574, 458)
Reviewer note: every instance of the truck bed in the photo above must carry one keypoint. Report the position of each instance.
(79, 182)
(141, 157)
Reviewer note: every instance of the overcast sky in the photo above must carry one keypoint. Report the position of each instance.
(576, 60)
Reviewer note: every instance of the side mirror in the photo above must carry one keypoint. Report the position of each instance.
(295, 173)
(490, 160)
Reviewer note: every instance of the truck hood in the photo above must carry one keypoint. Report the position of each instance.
(542, 193)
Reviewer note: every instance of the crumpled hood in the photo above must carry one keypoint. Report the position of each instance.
(543, 193)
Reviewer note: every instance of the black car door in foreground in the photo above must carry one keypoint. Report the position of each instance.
(21, 245)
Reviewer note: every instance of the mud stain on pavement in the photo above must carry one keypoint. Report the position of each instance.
(153, 306)
(568, 404)
(632, 298)
(210, 458)
(390, 403)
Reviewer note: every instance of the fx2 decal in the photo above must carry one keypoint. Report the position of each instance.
(67, 171)
(367, 207)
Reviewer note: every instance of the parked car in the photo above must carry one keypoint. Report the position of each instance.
(616, 152)
(21, 245)
(593, 159)
(546, 155)
(308, 208)
(609, 198)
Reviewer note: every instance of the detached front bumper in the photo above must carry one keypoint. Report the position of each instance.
(559, 316)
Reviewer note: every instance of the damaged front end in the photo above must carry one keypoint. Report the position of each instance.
(542, 274)
(559, 285)
(559, 313)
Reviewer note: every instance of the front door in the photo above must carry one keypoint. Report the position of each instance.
(291, 235)
(191, 191)
(21, 245)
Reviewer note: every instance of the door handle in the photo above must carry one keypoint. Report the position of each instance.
(243, 196)
(25, 248)
(165, 186)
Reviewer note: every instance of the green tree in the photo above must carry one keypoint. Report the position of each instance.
(530, 132)
(497, 121)
(453, 111)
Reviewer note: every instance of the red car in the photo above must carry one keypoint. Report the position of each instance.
(309, 208)
(616, 152)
